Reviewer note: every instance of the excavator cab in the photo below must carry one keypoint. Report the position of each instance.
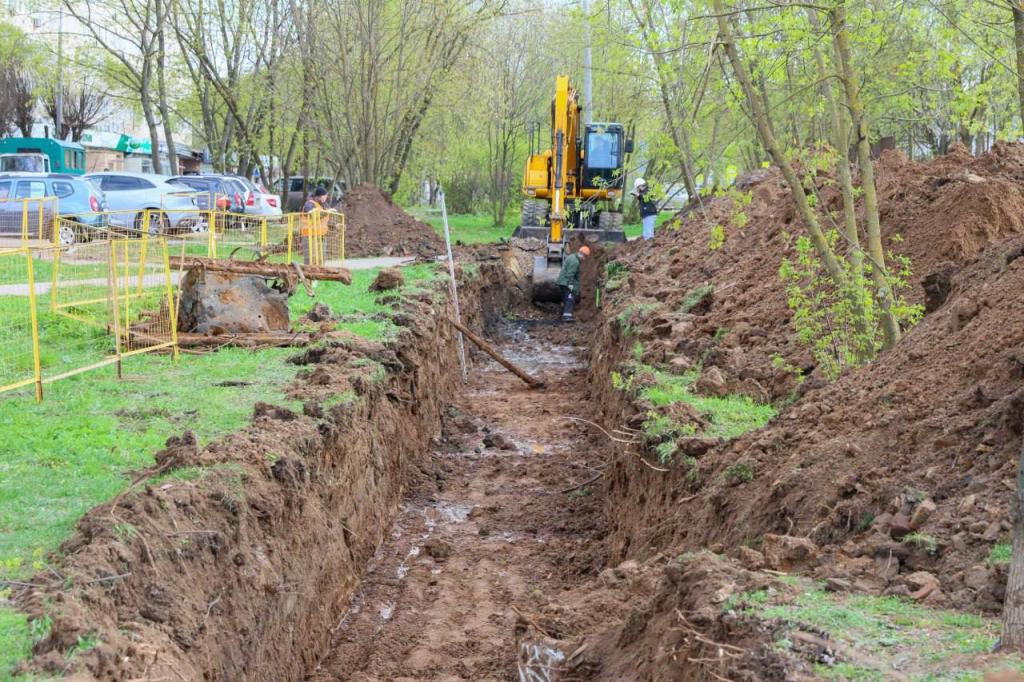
(572, 188)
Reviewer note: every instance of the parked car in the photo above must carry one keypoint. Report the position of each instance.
(129, 195)
(299, 188)
(212, 191)
(259, 201)
(77, 202)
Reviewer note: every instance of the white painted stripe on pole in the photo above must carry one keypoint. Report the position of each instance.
(455, 290)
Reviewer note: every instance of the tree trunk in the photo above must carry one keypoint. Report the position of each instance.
(1012, 638)
(759, 114)
(154, 133)
(840, 136)
(1018, 48)
(165, 110)
(879, 273)
(677, 129)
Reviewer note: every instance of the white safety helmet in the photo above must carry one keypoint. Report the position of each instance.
(638, 183)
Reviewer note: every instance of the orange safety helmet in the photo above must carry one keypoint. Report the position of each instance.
(585, 250)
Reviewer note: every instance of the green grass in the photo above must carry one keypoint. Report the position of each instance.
(16, 639)
(730, 417)
(72, 451)
(358, 302)
(882, 631)
(1001, 553)
(469, 228)
(634, 230)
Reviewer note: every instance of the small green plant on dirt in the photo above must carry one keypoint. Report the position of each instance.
(922, 541)
(877, 632)
(695, 296)
(622, 382)
(343, 398)
(638, 351)
(84, 643)
(616, 274)
(662, 432)
(125, 531)
(633, 313)
(741, 472)
(1001, 553)
(729, 416)
(716, 237)
(841, 322)
(738, 217)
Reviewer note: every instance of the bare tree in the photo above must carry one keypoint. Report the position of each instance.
(17, 98)
(510, 68)
(85, 105)
(388, 61)
(128, 31)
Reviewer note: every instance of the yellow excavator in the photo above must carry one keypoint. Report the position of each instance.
(571, 188)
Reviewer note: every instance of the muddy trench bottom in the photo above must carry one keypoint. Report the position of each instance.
(488, 528)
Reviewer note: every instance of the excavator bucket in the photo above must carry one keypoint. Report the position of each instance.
(545, 276)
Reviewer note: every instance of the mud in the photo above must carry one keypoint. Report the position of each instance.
(376, 226)
(485, 533)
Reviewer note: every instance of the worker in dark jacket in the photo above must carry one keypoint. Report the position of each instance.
(569, 281)
(648, 207)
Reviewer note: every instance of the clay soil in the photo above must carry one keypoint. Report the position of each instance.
(903, 466)
(376, 226)
(503, 516)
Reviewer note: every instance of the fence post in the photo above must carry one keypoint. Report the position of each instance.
(291, 224)
(54, 281)
(172, 308)
(24, 221)
(37, 366)
(115, 306)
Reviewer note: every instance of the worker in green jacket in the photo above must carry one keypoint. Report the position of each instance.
(569, 281)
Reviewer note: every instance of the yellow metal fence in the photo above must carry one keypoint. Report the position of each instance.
(83, 292)
(64, 312)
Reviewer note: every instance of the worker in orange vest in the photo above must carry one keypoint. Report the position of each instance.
(313, 225)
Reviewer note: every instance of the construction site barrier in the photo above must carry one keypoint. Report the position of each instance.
(93, 289)
(20, 362)
(68, 311)
(29, 219)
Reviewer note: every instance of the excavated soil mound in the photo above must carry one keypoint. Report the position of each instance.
(904, 466)
(940, 214)
(375, 226)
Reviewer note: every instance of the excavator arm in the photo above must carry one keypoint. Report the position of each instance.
(562, 193)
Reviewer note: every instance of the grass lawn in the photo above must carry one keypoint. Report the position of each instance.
(468, 228)
(480, 229)
(634, 230)
(61, 457)
(877, 635)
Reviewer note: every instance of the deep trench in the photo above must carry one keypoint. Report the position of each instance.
(485, 529)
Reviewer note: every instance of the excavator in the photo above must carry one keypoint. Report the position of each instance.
(571, 188)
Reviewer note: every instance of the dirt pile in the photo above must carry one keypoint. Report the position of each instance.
(375, 226)
(901, 468)
(941, 214)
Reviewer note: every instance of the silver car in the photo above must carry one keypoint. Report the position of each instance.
(129, 195)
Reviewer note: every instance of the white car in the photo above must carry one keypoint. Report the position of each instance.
(130, 194)
(259, 201)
